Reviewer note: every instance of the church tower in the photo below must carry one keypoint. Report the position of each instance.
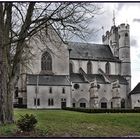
(111, 39)
(124, 52)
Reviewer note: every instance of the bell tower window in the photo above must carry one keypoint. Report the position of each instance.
(126, 34)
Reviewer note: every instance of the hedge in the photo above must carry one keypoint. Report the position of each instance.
(89, 110)
(20, 106)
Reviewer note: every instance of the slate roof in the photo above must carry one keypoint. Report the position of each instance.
(77, 78)
(91, 51)
(121, 79)
(100, 79)
(48, 80)
(62, 80)
(136, 90)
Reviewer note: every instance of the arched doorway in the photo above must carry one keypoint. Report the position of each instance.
(123, 103)
(103, 103)
(83, 103)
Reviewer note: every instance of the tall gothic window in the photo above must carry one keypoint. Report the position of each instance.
(71, 68)
(89, 67)
(107, 68)
(46, 62)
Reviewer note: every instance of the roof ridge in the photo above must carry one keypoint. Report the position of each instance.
(87, 43)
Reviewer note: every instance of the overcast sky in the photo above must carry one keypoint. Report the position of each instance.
(124, 13)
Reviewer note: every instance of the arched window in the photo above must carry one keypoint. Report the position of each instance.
(126, 34)
(89, 67)
(123, 103)
(46, 62)
(107, 68)
(111, 104)
(71, 68)
(63, 90)
(50, 90)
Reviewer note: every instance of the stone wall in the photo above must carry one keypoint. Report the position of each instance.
(114, 66)
(135, 100)
(44, 94)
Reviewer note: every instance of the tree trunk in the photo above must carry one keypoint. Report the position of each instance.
(6, 99)
(6, 107)
(9, 111)
(3, 83)
(3, 88)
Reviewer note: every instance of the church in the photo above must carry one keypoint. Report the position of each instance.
(76, 74)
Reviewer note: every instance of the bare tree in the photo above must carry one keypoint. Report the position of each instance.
(19, 22)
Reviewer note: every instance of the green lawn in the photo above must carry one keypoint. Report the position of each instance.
(58, 123)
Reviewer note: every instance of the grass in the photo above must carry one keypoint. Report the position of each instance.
(60, 123)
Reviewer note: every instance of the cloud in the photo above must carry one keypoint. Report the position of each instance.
(120, 6)
(138, 55)
(136, 20)
(133, 43)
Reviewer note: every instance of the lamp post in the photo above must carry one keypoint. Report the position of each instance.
(69, 49)
(37, 89)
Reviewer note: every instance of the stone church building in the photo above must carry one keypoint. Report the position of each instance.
(74, 74)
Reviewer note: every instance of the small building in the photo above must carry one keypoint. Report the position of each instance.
(135, 97)
(48, 91)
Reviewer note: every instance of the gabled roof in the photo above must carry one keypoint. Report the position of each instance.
(136, 90)
(48, 80)
(90, 51)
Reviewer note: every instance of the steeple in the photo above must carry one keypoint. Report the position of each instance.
(113, 18)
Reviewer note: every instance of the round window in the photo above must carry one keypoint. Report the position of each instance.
(76, 86)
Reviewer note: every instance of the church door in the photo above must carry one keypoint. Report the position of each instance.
(63, 104)
(103, 105)
(83, 105)
(20, 101)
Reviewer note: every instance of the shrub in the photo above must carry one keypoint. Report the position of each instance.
(89, 110)
(27, 122)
